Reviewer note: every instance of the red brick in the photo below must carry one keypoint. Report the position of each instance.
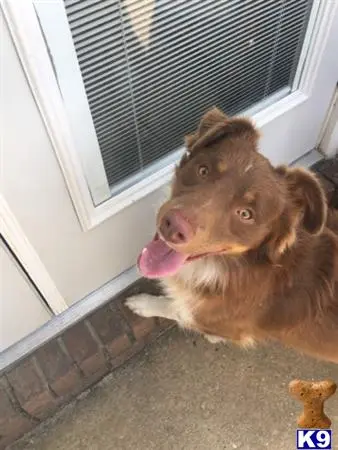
(59, 369)
(136, 348)
(118, 345)
(95, 366)
(142, 327)
(84, 350)
(140, 344)
(12, 423)
(110, 326)
(30, 390)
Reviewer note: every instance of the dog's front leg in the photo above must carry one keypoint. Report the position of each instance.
(147, 305)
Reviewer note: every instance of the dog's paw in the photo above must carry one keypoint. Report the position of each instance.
(142, 305)
(214, 339)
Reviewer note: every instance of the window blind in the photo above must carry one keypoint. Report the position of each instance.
(152, 67)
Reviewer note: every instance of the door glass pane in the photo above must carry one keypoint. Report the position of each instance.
(152, 67)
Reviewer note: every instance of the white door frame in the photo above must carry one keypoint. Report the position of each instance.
(17, 240)
(328, 139)
(25, 30)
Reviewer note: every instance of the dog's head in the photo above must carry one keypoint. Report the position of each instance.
(228, 199)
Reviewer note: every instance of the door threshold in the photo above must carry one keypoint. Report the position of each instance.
(308, 160)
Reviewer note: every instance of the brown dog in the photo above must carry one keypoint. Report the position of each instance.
(245, 251)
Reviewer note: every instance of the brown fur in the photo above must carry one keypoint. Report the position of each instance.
(274, 277)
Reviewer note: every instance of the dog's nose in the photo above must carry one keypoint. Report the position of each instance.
(174, 228)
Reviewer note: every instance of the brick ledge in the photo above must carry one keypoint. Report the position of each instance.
(69, 364)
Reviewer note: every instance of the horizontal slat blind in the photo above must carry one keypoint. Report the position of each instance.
(152, 67)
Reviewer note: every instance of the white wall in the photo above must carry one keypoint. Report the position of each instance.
(21, 309)
(35, 190)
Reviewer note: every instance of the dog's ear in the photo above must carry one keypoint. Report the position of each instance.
(308, 197)
(211, 118)
(215, 125)
(306, 205)
(190, 140)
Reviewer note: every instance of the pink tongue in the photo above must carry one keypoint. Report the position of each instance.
(158, 260)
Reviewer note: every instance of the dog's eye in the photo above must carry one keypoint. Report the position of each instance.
(245, 214)
(203, 171)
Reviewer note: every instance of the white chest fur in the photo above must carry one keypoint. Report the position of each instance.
(183, 288)
(202, 272)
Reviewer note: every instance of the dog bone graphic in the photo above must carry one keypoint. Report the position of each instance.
(313, 395)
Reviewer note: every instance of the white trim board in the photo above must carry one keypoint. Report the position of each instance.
(30, 44)
(60, 43)
(79, 310)
(328, 140)
(13, 234)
